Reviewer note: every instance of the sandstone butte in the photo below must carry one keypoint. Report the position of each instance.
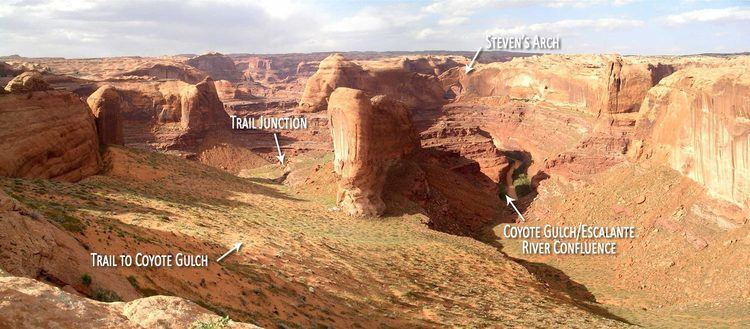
(398, 78)
(106, 105)
(369, 136)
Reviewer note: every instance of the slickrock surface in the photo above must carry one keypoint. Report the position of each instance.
(218, 66)
(697, 121)
(369, 136)
(398, 78)
(47, 134)
(27, 303)
(27, 82)
(106, 105)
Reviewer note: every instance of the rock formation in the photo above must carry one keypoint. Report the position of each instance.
(47, 135)
(106, 105)
(170, 114)
(218, 66)
(201, 108)
(369, 136)
(27, 82)
(394, 78)
(39, 305)
(697, 121)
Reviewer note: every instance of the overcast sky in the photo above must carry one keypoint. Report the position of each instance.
(74, 28)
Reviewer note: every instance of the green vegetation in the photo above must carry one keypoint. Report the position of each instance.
(219, 323)
(105, 295)
(86, 279)
(522, 184)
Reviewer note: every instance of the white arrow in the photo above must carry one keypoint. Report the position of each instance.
(470, 66)
(235, 248)
(281, 155)
(509, 201)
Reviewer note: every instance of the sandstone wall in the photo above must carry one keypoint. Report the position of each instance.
(369, 136)
(47, 134)
(698, 122)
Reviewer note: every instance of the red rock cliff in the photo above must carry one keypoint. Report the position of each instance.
(697, 121)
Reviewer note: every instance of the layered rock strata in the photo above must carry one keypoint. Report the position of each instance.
(47, 134)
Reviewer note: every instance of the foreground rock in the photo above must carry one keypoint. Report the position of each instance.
(397, 78)
(47, 135)
(697, 121)
(27, 303)
(106, 105)
(369, 136)
(27, 82)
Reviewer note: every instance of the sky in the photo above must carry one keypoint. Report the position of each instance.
(76, 29)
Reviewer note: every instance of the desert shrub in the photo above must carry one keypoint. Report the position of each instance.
(104, 295)
(86, 279)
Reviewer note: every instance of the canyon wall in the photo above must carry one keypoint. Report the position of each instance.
(697, 121)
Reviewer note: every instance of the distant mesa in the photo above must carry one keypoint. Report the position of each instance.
(166, 71)
(216, 65)
(398, 78)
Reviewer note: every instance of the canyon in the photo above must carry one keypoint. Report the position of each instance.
(389, 209)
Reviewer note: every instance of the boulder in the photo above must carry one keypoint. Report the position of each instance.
(27, 82)
(369, 136)
(47, 135)
(697, 121)
(106, 105)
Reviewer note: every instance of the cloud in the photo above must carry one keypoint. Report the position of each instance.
(563, 26)
(731, 14)
(450, 21)
(371, 19)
